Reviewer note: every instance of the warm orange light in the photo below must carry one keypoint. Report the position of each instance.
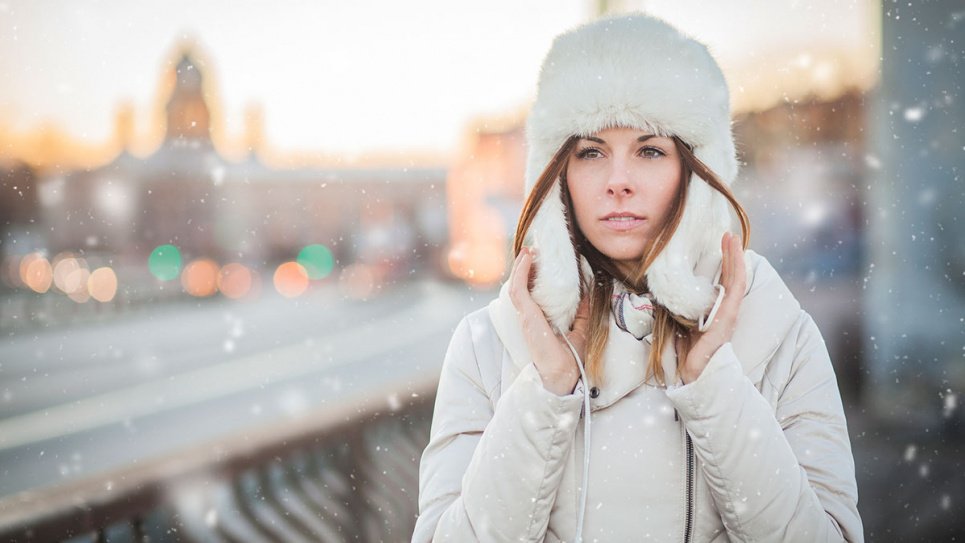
(80, 277)
(200, 277)
(62, 268)
(35, 272)
(480, 263)
(357, 281)
(102, 284)
(66, 276)
(291, 279)
(25, 263)
(234, 280)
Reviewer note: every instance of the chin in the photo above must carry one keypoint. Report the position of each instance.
(622, 254)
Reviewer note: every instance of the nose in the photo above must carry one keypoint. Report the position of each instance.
(618, 182)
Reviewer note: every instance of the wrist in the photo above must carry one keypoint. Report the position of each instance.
(561, 383)
(692, 367)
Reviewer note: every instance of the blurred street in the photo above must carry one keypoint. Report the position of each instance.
(81, 400)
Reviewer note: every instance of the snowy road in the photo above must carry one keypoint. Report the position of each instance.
(81, 400)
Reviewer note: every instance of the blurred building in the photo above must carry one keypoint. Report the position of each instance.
(20, 227)
(915, 306)
(485, 195)
(187, 195)
(802, 182)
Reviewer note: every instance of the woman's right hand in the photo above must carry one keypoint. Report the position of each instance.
(552, 357)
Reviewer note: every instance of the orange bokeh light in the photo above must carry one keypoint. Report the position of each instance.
(62, 269)
(102, 284)
(480, 263)
(35, 272)
(80, 277)
(291, 279)
(234, 280)
(200, 277)
(70, 274)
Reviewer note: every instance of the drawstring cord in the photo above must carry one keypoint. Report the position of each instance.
(704, 323)
(586, 441)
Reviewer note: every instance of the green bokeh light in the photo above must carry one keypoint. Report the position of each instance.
(165, 262)
(317, 261)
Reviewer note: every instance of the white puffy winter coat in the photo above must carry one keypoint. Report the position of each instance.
(756, 449)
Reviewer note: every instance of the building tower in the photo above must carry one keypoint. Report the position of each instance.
(188, 117)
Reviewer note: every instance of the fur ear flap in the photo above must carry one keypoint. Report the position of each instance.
(557, 285)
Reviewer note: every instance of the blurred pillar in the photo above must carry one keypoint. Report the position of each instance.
(915, 303)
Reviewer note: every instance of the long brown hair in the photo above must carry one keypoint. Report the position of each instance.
(667, 326)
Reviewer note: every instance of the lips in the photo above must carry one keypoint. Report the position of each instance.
(622, 222)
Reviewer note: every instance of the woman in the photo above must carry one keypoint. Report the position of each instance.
(709, 407)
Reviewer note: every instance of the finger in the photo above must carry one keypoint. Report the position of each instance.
(512, 270)
(725, 264)
(517, 287)
(739, 269)
(512, 279)
(734, 280)
(736, 259)
(520, 288)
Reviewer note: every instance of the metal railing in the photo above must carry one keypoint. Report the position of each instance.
(345, 473)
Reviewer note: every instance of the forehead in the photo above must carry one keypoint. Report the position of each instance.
(617, 134)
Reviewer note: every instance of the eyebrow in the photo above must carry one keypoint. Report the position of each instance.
(641, 139)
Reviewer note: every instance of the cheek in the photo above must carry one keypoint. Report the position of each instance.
(669, 181)
(581, 195)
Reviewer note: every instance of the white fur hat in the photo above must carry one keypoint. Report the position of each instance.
(639, 72)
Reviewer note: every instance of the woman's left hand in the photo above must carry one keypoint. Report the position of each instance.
(733, 277)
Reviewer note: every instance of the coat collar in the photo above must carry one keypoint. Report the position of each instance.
(767, 312)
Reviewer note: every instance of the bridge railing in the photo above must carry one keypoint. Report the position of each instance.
(348, 472)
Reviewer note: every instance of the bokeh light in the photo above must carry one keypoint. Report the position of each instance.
(200, 277)
(76, 280)
(70, 275)
(291, 279)
(64, 265)
(102, 284)
(165, 262)
(35, 272)
(357, 281)
(234, 280)
(79, 277)
(317, 261)
(480, 263)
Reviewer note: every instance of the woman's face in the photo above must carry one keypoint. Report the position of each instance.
(622, 182)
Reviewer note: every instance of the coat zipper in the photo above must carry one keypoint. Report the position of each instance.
(689, 525)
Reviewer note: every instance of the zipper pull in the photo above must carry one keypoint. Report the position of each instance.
(675, 417)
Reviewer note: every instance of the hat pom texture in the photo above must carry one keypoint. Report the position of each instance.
(639, 72)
